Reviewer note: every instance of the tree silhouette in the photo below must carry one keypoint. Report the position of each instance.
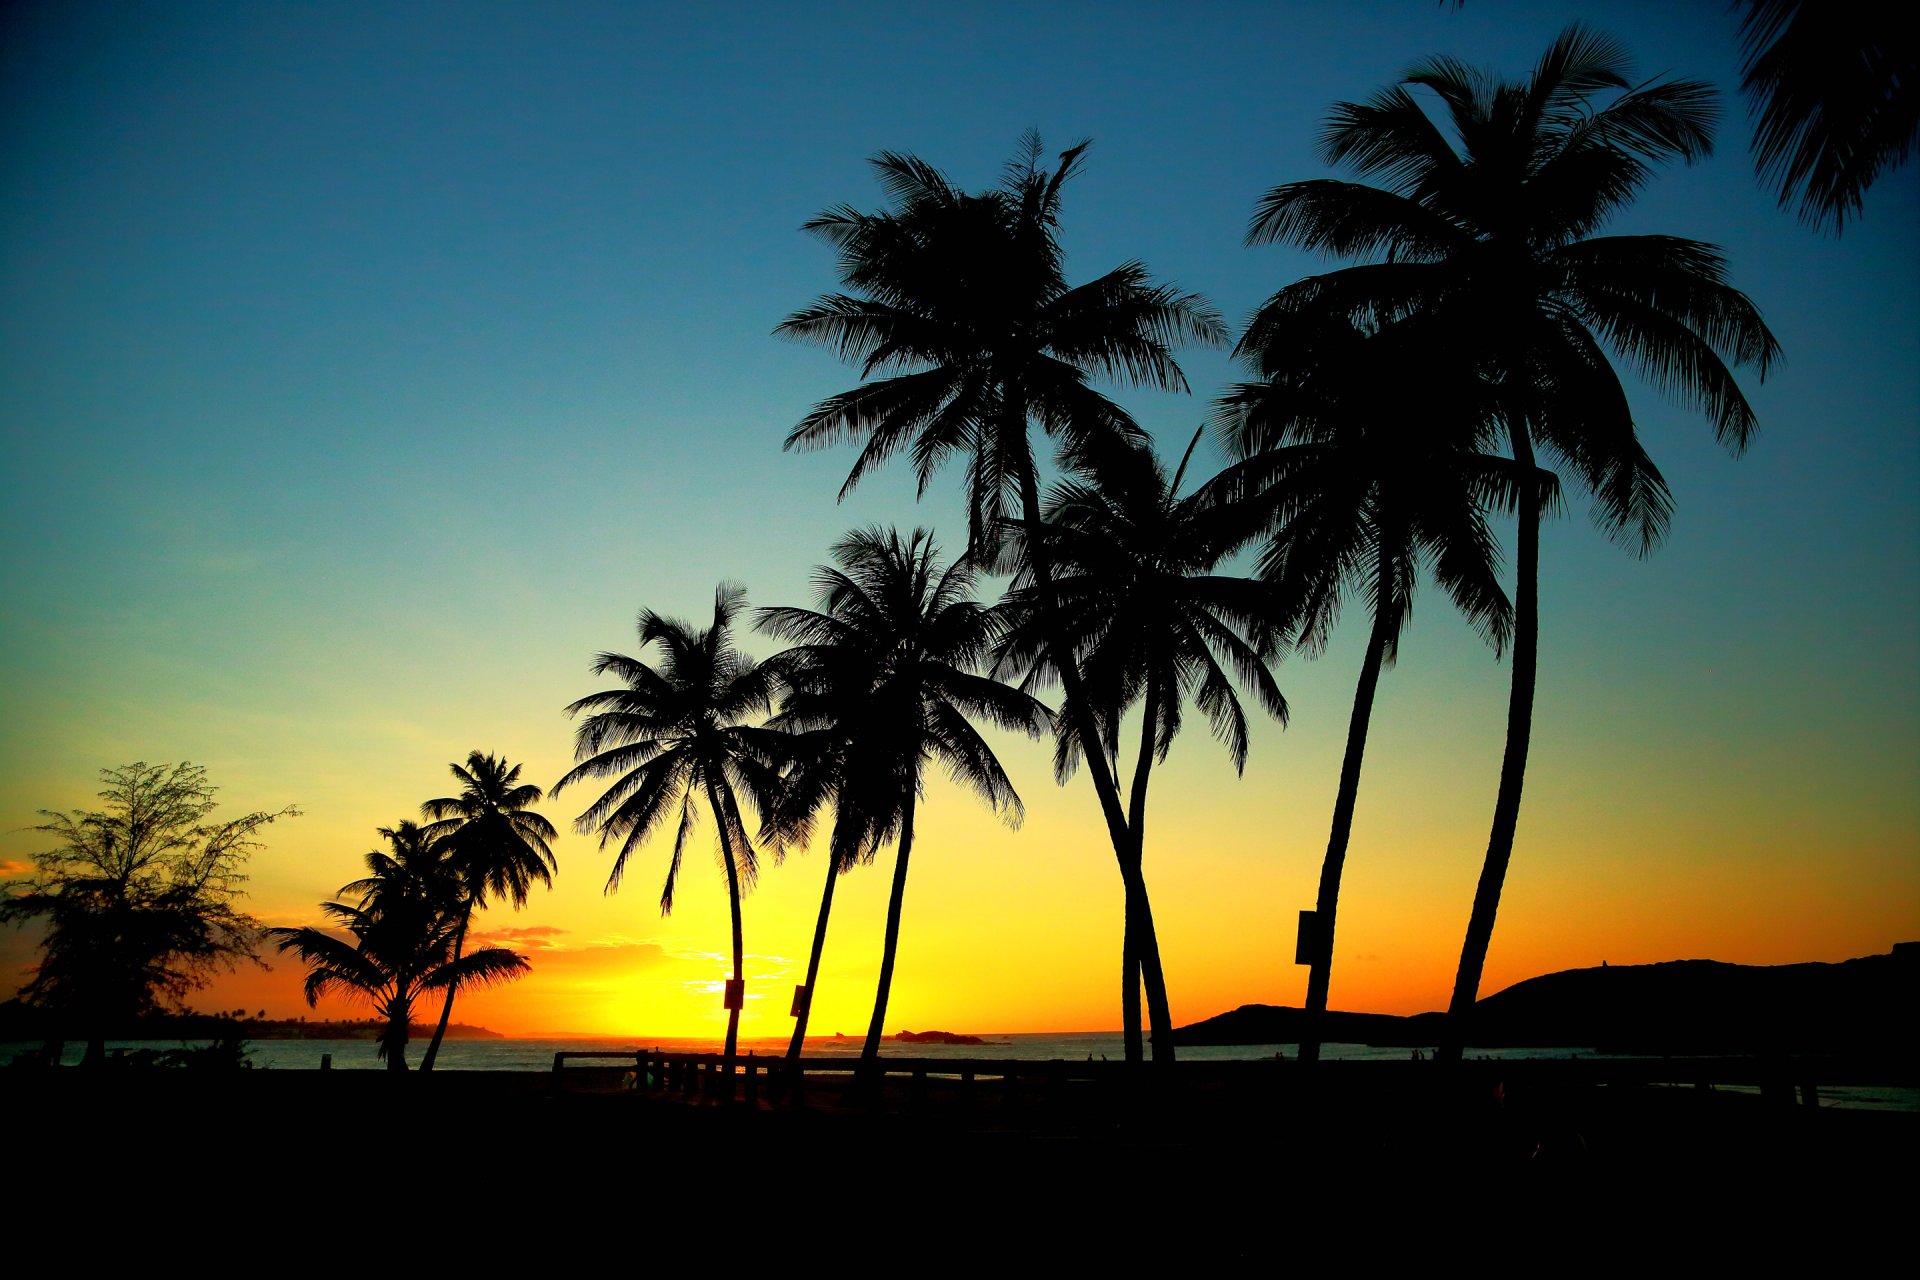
(885, 674)
(959, 314)
(1491, 233)
(403, 929)
(677, 732)
(1834, 92)
(1361, 481)
(139, 899)
(1152, 624)
(495, 846)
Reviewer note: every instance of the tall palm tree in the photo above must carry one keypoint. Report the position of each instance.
(1491, 232)
(497, 847)
(960, 317)
(1152, 624)
(887, 670)
(1834, 92)
(403, 928)
(1360, 482)
(679, 732)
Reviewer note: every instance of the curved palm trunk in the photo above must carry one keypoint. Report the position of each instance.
(1139, 920)
(1513, 765)
(1326, 905)
(446, 1009)
(739, 943)
(870, 1051)
(813, 960)
(1139, 928)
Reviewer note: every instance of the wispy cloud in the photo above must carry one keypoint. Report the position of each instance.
(14, 867)
(536, 937)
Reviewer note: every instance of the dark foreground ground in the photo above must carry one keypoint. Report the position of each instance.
(1403, 1162)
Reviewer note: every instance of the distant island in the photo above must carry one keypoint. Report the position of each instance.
(1679, 1006)
(935, 1037)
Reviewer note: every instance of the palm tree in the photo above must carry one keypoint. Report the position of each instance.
(886, 669)
(676, 733)
(961, 301)
(1491, 234)
(1150, 623)
(497, 848)
(1832, 91)
(403, 929)
(1360, 481)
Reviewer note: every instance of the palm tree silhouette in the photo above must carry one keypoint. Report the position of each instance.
(1151, 623)
(1492, 235)
(1834, 92)
(1493, 231)
(885, 673)
(677, 732)
(403, 928)
(961, 301)
(1360, 481)
(496, 847)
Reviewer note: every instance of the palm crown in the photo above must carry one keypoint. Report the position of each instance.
(961, 299)
(1494, 228)
(675, 730)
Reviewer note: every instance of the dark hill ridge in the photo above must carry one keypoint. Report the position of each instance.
(1679, 1006)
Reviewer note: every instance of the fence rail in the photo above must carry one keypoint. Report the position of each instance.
(1781, 1077)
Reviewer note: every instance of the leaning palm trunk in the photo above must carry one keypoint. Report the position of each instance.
(870, 1051)
(1139, 920)
(813, 963)
(446, 1009)
(1320, 974)
(739, 943)
(1513, 765)
(1140, 940)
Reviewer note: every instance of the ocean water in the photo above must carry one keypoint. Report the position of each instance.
(537, 1054)
(1076, 1046)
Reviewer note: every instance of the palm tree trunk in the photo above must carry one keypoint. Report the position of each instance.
(1139, 915)
(813, 960)
(870, 1051)
(1513, 765)
(720, 816)
(446, 1009)
(399, 1013)
(1326, 905)
(1139, 908)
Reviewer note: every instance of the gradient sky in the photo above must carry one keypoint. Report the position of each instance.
(365, 369)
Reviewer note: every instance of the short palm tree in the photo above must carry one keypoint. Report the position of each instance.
(886, 673)
(496, 845)
(1360, 482)
(1491, 233)
(403, 928)
(679, 732)
(1152, 624)
(959, 315)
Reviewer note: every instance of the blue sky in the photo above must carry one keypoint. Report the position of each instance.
(364, 368)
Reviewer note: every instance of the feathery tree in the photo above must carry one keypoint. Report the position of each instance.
(960, 317)
(138, 899)
(1151, 624)
(678, 732)
(1489, 228)
(495, 846)
(885, 672)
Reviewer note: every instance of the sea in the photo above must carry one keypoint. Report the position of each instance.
(488, 1054)
(536, 1054)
